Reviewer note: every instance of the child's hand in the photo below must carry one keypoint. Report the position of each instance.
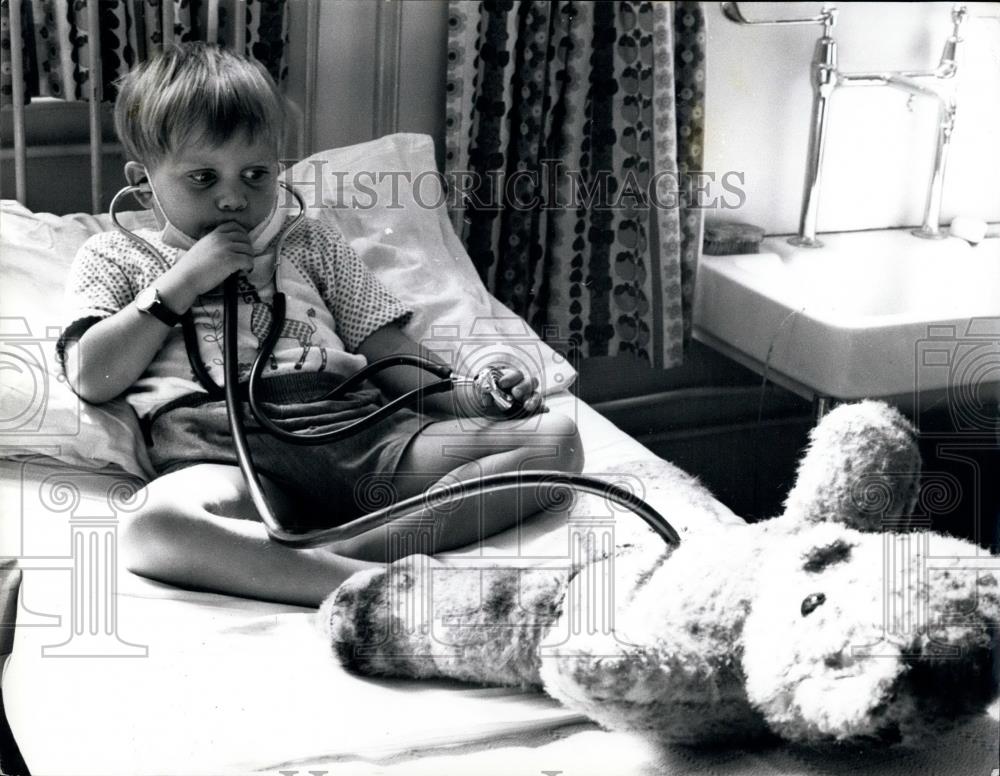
(216, 256)
(521, 388)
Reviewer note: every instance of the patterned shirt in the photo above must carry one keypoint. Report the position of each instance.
(333, 302)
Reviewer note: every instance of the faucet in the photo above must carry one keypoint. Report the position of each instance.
(826, 78)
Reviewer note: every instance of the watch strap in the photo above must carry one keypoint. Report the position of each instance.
(160, 311)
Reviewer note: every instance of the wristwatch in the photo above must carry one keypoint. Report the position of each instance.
(148, 301)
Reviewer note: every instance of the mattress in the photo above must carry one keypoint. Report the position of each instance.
(170, 681)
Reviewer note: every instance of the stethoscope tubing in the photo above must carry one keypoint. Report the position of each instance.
(411, 398)
(490, 484)
(421, 503)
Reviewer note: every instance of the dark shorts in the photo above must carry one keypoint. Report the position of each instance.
(336, 481)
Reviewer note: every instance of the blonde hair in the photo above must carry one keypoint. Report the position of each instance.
(196, 92)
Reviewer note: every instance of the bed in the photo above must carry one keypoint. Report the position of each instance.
(112, 673)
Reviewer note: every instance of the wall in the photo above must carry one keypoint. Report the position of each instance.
(347, 67)
(879, 153)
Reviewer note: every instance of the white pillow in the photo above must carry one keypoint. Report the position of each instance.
(386, 197)
(39, 414)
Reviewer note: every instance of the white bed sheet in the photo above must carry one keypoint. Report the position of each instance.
(236, 686)
(228, 685)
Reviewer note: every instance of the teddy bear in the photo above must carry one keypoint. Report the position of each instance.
(839, 621)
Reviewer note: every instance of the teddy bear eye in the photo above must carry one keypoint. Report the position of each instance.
(811, 603)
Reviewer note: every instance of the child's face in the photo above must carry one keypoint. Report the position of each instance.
(203, 185)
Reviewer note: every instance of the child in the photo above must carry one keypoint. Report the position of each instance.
(202, 128)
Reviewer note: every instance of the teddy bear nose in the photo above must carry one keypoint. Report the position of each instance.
(811, 603)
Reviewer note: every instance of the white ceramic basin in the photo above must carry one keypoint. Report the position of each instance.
(870, 314)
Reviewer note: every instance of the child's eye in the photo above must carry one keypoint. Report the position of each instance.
(256, 175)
(201, 178)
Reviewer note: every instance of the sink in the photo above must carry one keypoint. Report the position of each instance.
(878, 314)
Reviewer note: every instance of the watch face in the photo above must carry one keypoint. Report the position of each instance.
(146, 298)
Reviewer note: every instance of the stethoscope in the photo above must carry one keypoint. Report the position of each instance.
(447, 381)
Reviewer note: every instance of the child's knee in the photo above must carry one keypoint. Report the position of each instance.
(562, 430)
(150, 535)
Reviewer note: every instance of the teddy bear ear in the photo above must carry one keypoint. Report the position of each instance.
(861, 468)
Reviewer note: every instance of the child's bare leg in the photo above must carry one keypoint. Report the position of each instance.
(450, 451)
(193, 531)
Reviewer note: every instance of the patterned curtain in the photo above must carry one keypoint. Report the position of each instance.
(571, 129)
(55, 40)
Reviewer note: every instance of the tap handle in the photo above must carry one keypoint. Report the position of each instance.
(827, 17)
(959, 13)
